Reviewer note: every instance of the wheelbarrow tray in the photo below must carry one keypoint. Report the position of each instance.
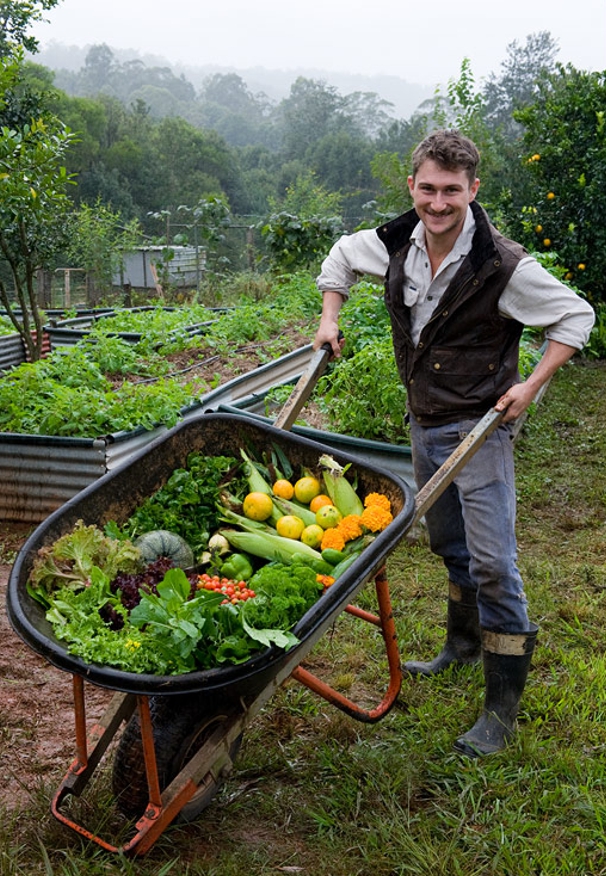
(117, 494)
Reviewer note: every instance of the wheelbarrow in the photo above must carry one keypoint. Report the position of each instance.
(182, 732)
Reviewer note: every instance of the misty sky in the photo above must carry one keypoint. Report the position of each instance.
(420, 42)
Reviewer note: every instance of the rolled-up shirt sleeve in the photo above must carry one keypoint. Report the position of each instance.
(536, 298)
(351, 257)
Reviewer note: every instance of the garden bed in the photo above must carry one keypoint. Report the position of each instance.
(39, 473)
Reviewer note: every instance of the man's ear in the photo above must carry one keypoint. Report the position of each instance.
(473, 191)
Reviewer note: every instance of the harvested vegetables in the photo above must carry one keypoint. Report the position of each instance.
(112, 607)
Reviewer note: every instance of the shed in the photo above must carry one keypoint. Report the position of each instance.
(140, 267)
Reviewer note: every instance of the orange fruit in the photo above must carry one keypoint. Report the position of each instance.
(312, 535)
(306, 489)
(328, 516)
(283, 489)
(290, 526)
(319, 500)
(257, 506)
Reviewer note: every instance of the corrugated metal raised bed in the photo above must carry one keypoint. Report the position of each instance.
(39, 473)
(68, 332)
(11, 352)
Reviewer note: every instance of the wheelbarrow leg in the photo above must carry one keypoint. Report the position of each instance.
(211, 762)
(385, 621)
(90, 750)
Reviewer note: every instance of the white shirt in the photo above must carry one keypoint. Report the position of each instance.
(533, 296)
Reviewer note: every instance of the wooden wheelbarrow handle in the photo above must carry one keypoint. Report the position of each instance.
(447, 472)
(304, 387)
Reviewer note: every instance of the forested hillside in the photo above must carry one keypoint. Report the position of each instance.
(405, 96)
(147, 154)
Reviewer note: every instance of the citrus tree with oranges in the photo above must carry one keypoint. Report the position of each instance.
(565, 141)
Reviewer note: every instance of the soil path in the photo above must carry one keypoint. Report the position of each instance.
(37, 739)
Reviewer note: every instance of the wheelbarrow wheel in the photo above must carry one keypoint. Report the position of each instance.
(181, 727)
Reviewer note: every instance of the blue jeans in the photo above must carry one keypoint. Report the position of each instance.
(472, 524)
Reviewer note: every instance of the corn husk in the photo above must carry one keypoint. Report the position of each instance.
(340, 490)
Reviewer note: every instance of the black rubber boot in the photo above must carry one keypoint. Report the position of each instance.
(463, 641)
(506, 658)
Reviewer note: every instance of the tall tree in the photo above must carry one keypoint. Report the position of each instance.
(516, 84)
(308, 114)
(16, 18)
(33, 202)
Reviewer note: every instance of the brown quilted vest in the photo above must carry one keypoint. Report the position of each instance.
(467, 355)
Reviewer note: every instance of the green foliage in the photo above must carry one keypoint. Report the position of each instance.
(364, 397)
(293, 242)
(98, 241)
(68, 395)
(186, 504)
(361, 394)
(565, 157)
(596, 346)
(515, 86)
(33, 200)
(307, 198)
(69, 561)
(16, 17)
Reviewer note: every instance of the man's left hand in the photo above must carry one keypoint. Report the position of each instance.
(515, 401)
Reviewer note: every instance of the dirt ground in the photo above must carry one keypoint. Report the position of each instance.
(36, 704)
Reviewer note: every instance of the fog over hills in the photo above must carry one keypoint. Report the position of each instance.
(405, 96)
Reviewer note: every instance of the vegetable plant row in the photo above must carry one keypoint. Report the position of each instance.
(103, 385)
(218, 564)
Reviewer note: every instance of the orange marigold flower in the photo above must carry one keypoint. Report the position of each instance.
(325, 580)
(376, 518)
(332, 538)
(350, 527)
(377, 499)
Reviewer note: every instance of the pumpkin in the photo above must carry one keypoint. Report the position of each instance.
(162, 543)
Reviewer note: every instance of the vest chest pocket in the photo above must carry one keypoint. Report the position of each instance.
(454, 361)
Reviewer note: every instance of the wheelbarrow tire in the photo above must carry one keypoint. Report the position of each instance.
(181, 726)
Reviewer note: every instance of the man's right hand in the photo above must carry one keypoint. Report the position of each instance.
(329, 334)
(328, 330)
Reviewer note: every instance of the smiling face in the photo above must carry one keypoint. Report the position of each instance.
(441, 198)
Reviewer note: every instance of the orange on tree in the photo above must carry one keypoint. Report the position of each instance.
(283, 489)
(306, 488)
(257, 506)
(290, 526)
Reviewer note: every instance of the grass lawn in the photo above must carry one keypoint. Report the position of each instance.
(316, 793)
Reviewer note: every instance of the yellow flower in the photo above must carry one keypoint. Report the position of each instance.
(376, 518)
(581, 266)
(550, 196)
(350, 527)
(547, 242)
(538, 228)
(332, 538)
(569, 275)
(377, 499)
(536, 157)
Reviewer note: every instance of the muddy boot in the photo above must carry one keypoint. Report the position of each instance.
(462, 644)
(506, 658)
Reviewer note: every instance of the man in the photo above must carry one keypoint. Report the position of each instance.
(459, 295)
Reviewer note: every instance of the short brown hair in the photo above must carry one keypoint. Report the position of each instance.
(450, 150)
